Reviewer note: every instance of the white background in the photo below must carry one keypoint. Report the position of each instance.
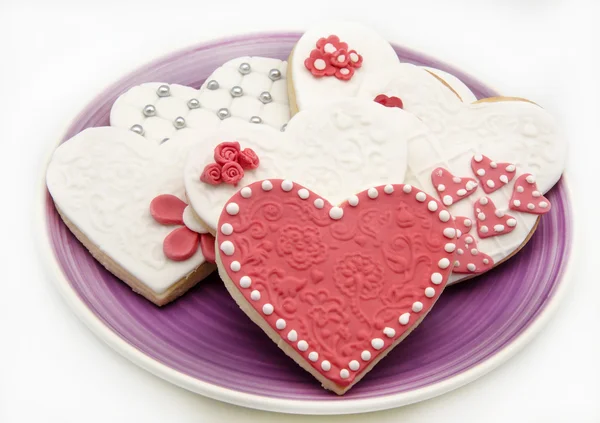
(55, 55)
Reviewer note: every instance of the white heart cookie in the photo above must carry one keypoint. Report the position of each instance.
(104, 179)
(245, 89)
(376, 52)
(505, 130)
(338, 149)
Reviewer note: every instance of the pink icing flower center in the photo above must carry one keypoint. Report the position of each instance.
(331, 57)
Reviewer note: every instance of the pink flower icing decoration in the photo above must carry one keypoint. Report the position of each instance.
(232, 173)
(182, 242)
(212, 174)
(332, 58)
(227, 152)
(230, 162)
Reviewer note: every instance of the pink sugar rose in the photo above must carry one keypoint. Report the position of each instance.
(227, 152)
(211, 174)
(248, 159)
(232, 173)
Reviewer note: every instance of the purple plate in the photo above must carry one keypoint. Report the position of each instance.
(204, 343)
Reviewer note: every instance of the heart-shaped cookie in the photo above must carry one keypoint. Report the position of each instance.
(104, 180)
(336, 287)
(517, 135)
(504, 129)
(339, 148)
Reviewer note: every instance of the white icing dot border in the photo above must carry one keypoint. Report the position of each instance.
(378, 343)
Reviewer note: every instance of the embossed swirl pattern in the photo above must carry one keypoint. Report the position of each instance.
(206, 336)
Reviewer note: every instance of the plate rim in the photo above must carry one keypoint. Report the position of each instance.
(265, 403)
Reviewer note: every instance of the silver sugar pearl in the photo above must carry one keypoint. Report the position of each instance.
(274, 74)
(193, 103)
(179, 122)
(255, 119)
(283, 127)
(137, 129)
(245, 68)
(237, 91)
(164, 140)
(163, 91)
(223, 113)
(149, 110)
(265, 97)
(212, 85)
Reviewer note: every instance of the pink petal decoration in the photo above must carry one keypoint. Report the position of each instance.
(492, 175)
(468, 257)
(490, 220)
(207, 245)
(167, 209)
(526, 198)
(450, 188)
(180, 244)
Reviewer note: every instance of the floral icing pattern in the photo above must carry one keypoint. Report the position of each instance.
(331, 57)
(182, 242)
(229, 165)
(338, 284)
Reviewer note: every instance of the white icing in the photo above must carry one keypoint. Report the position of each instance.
(344, 374)
(227, 248)
(245, 281)
(376, 53)
(255, 295)
(336, 213)
(457, 85)
(444, 263)
(450, 247)
(429, 292)
(287, 185)
(280, 324)
(313, 356)
(377, 343)
(444, 216)
(365, 355)
(354, 365)
(389, 332)
(127, 110)
(303, 193)
(353, 201)
(441, 187)
(226, 229)
(432, 206)
(235, 266)
(417, 306)
(372, 193)
(501, 130)
(388, 189)
(447, 200)
(404, 318)
(302, 345)
(337, 150)
(449, 232)
(319, 203)
(266, 185)
(292, 335)
(190, 221)
(246, 192)
(326, 365)
(436, 278)
(407, 188)
(421, 196)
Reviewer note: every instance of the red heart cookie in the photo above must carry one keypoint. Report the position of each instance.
(335, 287)
(526, 198)
(450, 188)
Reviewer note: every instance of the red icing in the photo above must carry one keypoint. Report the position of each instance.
(529, 200)
(227, 152)
(167, 209)
(211, 174)
(207, 245)
(232, 173)
(248, 159)
(332, 58)
(338, 283)
(321, 58)
(386, 101)
(334, 40)
(450, 188)
(492, 175)
(468, 257)
(230, 164)
(181, 244)
(490, 220)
